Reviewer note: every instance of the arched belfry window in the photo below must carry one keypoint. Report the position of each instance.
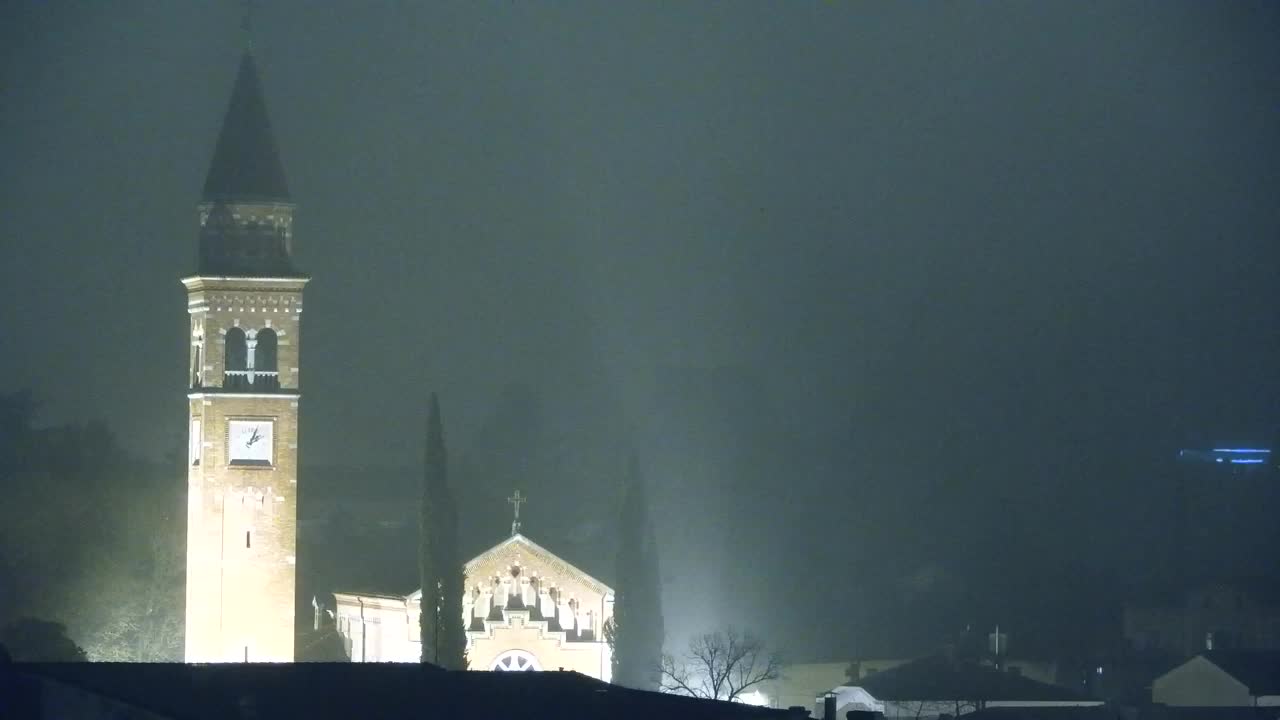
(237, 353)
(264, 355)
(263, 375)
(235, 359)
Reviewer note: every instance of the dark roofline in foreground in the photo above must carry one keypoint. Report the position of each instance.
(367, 690)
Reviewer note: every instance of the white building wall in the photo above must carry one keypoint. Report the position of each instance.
(379, 629)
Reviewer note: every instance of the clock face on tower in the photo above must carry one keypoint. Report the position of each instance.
(250, 442)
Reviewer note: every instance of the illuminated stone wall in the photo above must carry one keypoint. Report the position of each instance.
(556, 623)
(241, 520)
(516, 633)
(546, 587)
(378, 628)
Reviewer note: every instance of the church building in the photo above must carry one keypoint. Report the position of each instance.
(245, 307)
(524, 609)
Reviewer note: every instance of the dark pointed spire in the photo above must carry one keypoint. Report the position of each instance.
(246, 165)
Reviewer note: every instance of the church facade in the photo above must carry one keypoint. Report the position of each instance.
(245, 308)
(524, 609)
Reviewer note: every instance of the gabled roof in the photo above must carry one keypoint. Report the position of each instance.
(530, 547)
(536, 550)
(942, 678)
(1258, 670)
(246, 164)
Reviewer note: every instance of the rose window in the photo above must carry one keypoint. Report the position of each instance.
(516, 660)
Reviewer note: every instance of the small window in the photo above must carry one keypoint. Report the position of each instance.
(246, 538)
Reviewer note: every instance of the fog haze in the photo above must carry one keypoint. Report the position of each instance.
(889, 299)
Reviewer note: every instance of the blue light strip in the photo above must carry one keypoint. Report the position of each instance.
(1241, 461)
(1244, 451)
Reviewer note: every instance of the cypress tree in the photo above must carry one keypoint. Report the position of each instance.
(428, 531)
(636, 630)
(452, 638)
(440, 566)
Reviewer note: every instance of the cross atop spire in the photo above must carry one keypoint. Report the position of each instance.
(516, 500)
(246, 25)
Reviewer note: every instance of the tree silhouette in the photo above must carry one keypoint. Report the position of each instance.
(722, 665)
(635, 632)
(428, 521)
(443, 636)
(452, 636)
(32, 640)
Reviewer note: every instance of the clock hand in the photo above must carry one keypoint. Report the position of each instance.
(253, 438)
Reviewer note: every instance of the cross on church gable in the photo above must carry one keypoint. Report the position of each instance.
(551, 569)
(516, 500)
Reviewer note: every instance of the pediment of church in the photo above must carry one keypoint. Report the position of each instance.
(531, 560)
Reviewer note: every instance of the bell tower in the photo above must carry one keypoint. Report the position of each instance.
(245, 305)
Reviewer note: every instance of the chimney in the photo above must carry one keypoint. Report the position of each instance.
(829, 706)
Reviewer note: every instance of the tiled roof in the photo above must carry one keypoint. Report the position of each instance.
(942, 678)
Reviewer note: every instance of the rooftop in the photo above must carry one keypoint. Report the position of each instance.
(196, 692)
(939, 677)
(246, 164)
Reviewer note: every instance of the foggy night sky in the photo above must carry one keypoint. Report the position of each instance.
(974, 257)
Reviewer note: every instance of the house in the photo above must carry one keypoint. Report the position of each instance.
(1217, 678)
(1045, 671)
(945, 685)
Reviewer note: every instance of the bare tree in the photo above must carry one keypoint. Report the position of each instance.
(721, 665)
